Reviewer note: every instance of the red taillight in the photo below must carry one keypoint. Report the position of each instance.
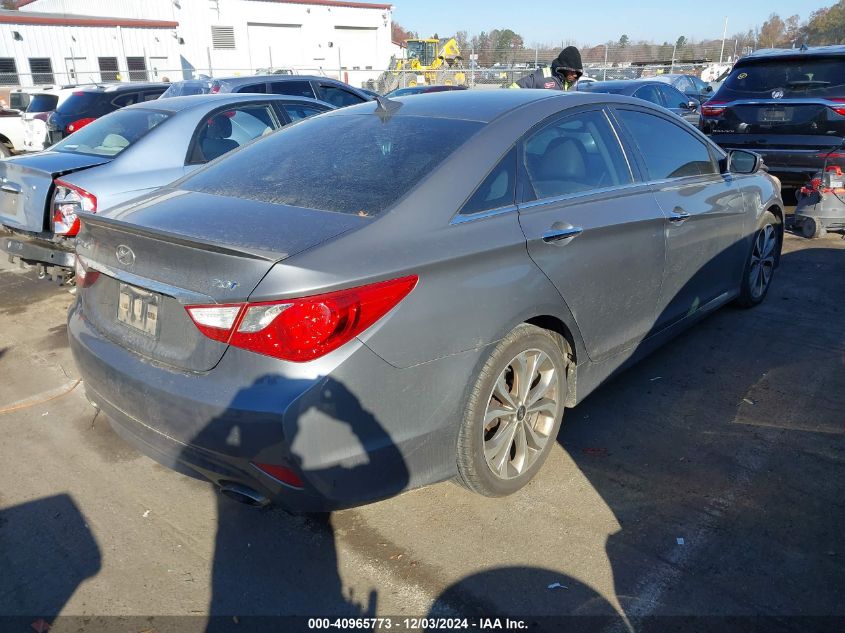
(215, 88)
(285, 475)
(85, 277)
(840, 109)
(68, 201)
(713, 108)
(301, 330)
(78, 125)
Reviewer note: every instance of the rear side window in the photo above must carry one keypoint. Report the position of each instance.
(43, 103)
(348, 164)
(574, 154)
(254, 88)
(297, 111)
(292, 88)
(668, 150)
(497, 190)
(79, 103)
(338, 96)
(803, 77)
(111, 134)
(224, 131)
(649, 93)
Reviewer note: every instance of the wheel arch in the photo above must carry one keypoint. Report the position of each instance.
(554, 324)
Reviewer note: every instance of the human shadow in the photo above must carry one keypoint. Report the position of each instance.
(46, 552)
(721, 458)
(273, 563)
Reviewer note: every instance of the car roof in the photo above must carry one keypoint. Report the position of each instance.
(179, 104)
(621, 85)
(476, 105)
(121, 87)
(794, 53)
(275, 78)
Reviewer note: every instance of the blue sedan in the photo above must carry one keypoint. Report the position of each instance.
(656, 92)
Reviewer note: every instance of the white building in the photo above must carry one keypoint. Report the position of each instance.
(184, 38)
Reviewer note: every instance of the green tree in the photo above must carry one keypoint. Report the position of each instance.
(623, 41)
(681, 42)
(826, 26)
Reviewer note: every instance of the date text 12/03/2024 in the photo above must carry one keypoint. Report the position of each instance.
(415, 624)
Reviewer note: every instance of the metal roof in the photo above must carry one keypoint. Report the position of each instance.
(67, 19)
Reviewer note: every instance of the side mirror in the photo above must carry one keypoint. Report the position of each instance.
(741, 162)
(692, 105)
(708, 89)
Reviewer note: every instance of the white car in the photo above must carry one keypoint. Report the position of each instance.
(41, 105)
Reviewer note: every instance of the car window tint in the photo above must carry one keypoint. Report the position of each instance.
(124, 100)
(224, 131)
(669, 150)
(254, 88)
(673, 98)
(293, 88)
(112, 134)
(649, 93)
(151, 96)
(43, 103)
(297, 111)
(338, 96)
(349, 164)
(498, 188)
(574, 154)
(795, 76)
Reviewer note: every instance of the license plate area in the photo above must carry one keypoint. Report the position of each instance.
(138, 309)
(774, 115)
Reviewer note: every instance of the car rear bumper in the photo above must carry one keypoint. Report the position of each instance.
(36, 252)
(352, 435)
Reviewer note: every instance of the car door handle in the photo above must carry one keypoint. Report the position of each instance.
(10, 188)
(556, 235)
(679, 217)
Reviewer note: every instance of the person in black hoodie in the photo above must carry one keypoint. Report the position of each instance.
(563, 75)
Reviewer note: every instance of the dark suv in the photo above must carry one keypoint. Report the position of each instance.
(91, 102)
(787, 105)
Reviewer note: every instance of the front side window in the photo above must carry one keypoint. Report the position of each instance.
(650, 93)
(575, 154)
(669, 151)
(348, 164)
(111, 134)
(673, 98)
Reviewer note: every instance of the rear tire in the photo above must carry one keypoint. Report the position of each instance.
(812, 228)
(761, 262)
(514, 412)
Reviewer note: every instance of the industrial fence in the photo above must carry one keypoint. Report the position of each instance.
(381, 81)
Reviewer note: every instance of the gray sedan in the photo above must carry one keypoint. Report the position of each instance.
(124, 155)
(405, 292)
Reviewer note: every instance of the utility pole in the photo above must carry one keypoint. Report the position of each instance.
(604, 75)
(724, 35)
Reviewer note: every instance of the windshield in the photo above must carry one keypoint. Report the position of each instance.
(795, 78)
(111, 134)
(43, 103)
(185, 88)
(357, 164)
(423, 51)
(78, 103)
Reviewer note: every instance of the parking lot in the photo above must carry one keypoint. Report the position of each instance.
(705, 481)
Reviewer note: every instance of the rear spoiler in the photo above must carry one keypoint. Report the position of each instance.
(119, 226)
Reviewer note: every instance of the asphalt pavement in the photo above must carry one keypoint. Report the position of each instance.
(706, 482)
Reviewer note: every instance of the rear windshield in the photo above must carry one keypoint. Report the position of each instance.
(184, 89)
(78, 103)
(808, 77)
(358, 164)
(43, 103)
(111, 134)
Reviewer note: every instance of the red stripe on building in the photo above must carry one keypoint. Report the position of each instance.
(34, 18)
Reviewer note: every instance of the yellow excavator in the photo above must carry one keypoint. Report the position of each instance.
(428, 62)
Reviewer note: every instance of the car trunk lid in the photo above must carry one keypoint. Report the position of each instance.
(159, 256)
(26, 184)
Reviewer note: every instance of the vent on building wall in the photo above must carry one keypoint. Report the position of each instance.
(223, 37)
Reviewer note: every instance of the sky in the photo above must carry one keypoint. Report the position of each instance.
(545, 21)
